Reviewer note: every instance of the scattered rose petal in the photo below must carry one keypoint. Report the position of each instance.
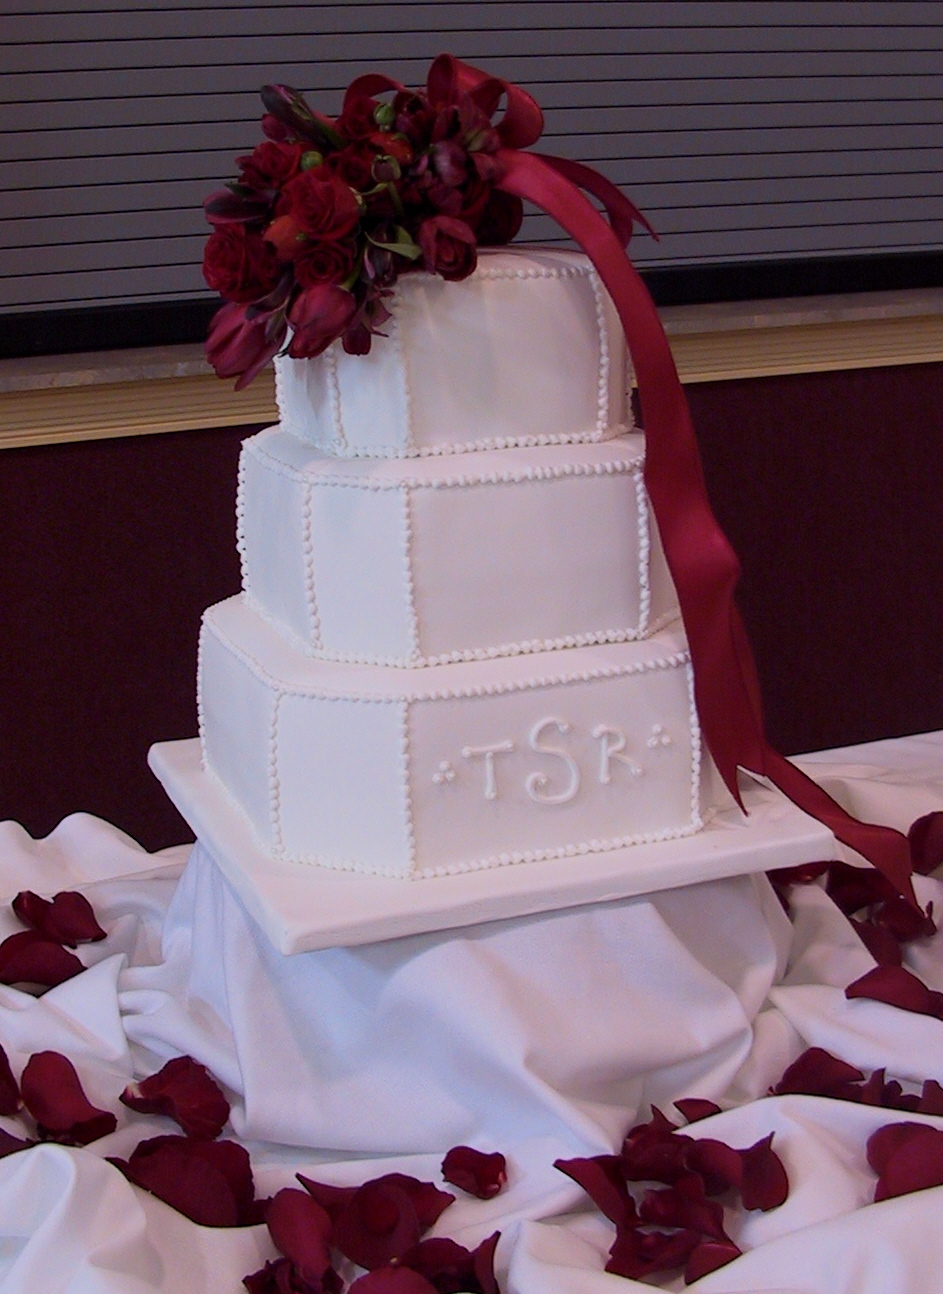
(186, 1092)
(52, 1092)
(9, 1144)
(684, 1205)
(28, 958)
(301, 1230)
(718, 1165)
(210, 1182)
(333, 1199)
(931, 1098)
(707, 1257)
(926, 842)
(880, 942)
(907, 1157)
(385, 1217)
(654, 1151)
(392, 1280)
(10, 1100)
(474, 1171)
(67, 919)
(896, 986)
(603, 1180)
(694, 1108)
(637, 1254)
(282, 1277)
(764, 1184)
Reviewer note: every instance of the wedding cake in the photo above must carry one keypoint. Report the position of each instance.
(457, 644)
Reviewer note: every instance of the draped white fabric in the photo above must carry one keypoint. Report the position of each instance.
(543, 1037)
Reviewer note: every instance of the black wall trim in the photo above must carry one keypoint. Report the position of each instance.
(166, 323)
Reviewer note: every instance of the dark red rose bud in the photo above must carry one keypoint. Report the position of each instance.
(448, 247)
(28, 958)
(319, 316)
(53, 1094)
(474, 1171)
(184, 1091)
(241, 341)
(68, 919)
(10, 1100)
(210, 1182)
(301, 1229)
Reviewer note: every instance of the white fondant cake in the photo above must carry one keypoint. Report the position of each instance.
(440, 663)
(480, 364)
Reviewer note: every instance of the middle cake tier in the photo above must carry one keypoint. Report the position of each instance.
(424, 561)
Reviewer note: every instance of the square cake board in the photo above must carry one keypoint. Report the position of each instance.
(302, 908)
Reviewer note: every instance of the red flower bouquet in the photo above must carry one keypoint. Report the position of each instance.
(327, 214)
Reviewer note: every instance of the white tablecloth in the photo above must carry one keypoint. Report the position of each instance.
(543, 1037)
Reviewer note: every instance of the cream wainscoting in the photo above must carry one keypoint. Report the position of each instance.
(48, 399)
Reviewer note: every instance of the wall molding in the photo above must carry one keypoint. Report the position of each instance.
(55, 399)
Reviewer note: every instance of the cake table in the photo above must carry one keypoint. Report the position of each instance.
(546, 1035)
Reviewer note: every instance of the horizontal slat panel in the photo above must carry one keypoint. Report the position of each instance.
(746, 131)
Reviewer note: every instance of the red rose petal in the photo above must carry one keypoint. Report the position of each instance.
(926, 842)
(931, 1098)
(10, 1100)
(67, 919)
(896, 986)
(447, 1265)
(282, 1277)
(654, 1151)
(186, 1092)
(880, 942)
(674, 1207)
(817, 1073)
(392, 1280)
(9, 1144)
(908, 1160)
(694, 1108)
(378, 1224)
(333, 1199)
(209, 1182)
(301, 1230)
(718, 1165)
(636, 1254)
(29, 958)
(474, 1171)
(765, 1184)
(52, 1092)
(707, 1257)
(602, 1179)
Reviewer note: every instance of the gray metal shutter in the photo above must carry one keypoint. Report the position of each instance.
(746, 131)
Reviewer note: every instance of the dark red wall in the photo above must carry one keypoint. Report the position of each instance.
(829, 486)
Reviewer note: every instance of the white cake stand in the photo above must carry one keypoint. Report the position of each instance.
(301, 908)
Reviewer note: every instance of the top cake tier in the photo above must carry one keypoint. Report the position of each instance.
(528, 350)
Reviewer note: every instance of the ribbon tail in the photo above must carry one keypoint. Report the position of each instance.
(702, 562)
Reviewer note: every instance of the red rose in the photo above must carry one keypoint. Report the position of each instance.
(500, 221)
(270, 164)
(353, 165)
(324, 262)
(358, 120)
(322, 204)
(448, 247)
(239, 264)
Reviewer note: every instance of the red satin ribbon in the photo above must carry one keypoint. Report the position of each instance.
(703, 565)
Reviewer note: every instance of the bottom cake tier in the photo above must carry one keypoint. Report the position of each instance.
(455, 767)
